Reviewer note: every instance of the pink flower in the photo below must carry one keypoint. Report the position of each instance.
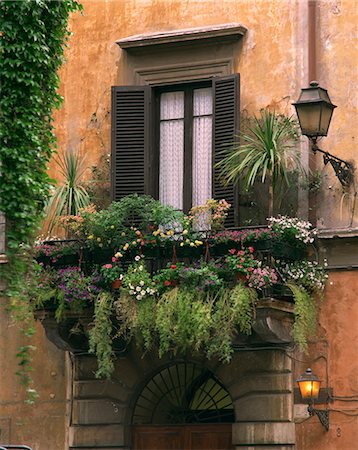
(232, 251)
(114, 259)
(251, 249)
(107, 266)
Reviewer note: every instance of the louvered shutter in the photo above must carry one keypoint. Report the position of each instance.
(226, 119)
(130, 158)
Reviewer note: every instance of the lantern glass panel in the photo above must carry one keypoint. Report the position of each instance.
(309, 388)
(309, 116)
(326, 116)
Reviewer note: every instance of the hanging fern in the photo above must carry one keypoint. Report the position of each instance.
(100, 335)
(305, 315)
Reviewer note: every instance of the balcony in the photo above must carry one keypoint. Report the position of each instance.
(166, 284)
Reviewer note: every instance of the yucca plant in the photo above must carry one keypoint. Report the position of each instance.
(267, 151)
(70, 195)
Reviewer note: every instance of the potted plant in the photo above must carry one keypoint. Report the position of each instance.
(267, 150)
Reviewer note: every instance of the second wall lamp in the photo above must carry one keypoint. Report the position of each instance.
(314, 110)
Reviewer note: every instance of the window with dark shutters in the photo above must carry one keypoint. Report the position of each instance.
(135, 160)
(130, 149)
(226, 122)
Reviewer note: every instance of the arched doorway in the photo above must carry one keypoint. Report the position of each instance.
(183, 407)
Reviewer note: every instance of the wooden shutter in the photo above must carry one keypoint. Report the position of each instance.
(226, 115)
(130, 158)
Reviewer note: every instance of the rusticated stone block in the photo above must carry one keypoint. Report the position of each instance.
(261, 382)
(102, 389)
(96, 436)
(263, 435)
(97, 411)
(264, 407)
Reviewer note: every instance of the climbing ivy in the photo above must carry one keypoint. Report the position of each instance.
(33, 36)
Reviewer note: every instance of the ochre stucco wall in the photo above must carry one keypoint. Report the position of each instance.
(335, 349)
(42, 425)
(273, 67)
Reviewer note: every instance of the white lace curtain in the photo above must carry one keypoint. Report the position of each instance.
(171, 173)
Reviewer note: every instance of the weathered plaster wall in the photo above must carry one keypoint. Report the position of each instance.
(337, 70)
(42, 425)
(335, 349)
(271, 63)
(273, 67)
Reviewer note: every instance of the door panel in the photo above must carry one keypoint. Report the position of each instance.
(212, 437)
(183, 437)
(157, 438)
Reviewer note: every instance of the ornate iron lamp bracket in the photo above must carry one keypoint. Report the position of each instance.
(343, 169)
(322, 414)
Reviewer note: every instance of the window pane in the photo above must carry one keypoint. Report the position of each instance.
(202, 143)
(171, 149)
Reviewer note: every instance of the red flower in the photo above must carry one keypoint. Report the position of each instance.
(173, 266)
(167, 283)
(151, 227)
(153, 241)
(251, 249)
(232, 251)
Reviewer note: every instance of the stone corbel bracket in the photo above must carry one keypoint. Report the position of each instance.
(274, 321)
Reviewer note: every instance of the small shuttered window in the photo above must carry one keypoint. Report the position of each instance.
(141, 136)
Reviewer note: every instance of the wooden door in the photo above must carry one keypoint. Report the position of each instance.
(183, 437)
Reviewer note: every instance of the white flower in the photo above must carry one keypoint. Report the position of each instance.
(131, 292)
(139, 297)
(137, 258)
(141, 283)
(131, 286)
(143, 293)
(138, 289)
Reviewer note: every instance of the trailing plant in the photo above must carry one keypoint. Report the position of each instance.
(267, 150)
(68, 198)
(234, 308)
(305, 315)
(33, 36)
(101, 335)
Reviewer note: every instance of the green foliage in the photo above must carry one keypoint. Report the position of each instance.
(100, 335)
(183, 320)
(305, 315)
(33, 36)
(234, 308)
(69, 197)
(32, 42)
(267, 148)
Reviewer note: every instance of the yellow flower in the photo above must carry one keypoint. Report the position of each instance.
(90, 236)
(185, 232)
(198, 243)
(123, 233)
(192, 244)
(125, 247)
(118, 255)
(98, 239)
(187, 241)
(156, 232)
(162, 235)
(170, 232)
(112, 227)
(182, 244)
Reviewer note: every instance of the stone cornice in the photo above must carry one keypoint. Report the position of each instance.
(219, 33)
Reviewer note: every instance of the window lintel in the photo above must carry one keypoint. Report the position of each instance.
(219, 33)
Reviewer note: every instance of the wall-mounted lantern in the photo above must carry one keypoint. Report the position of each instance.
(314, 111)
(309, 385)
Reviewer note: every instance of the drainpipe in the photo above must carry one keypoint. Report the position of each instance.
(312, 75)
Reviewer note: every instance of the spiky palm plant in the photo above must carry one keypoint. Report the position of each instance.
(267, 150)
(70, 195)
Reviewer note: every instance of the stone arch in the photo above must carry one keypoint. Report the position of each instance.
(183, 391)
